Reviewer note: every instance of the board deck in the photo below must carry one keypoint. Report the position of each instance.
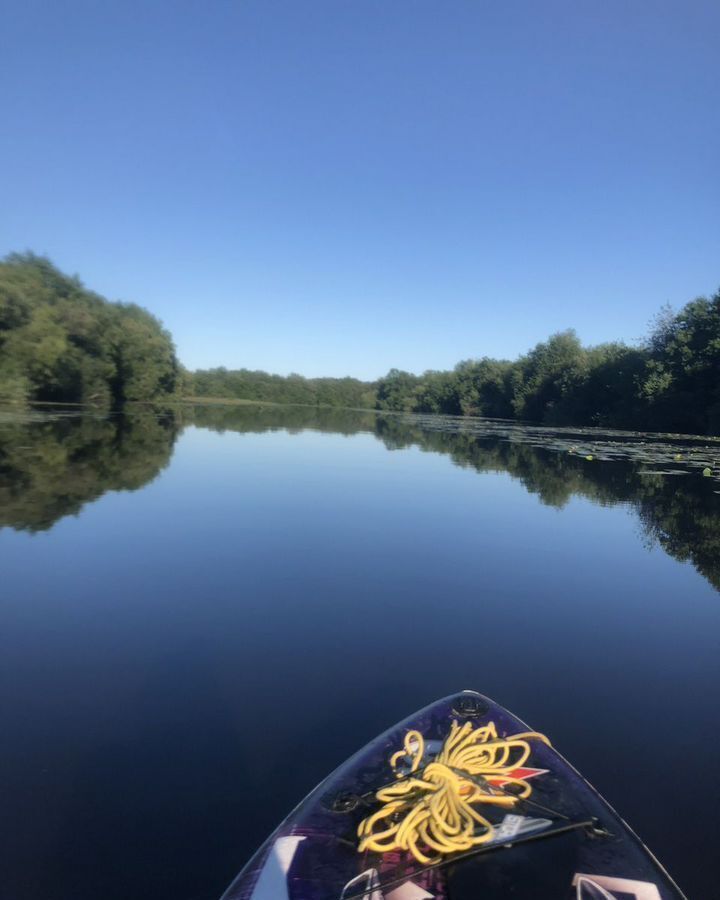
(563, 842)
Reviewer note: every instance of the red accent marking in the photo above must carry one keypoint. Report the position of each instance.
(520, 772)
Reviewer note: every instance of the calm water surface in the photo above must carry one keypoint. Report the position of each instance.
(203, 612)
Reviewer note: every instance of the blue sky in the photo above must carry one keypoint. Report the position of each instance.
(341, 186)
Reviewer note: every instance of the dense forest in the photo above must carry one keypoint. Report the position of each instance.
(60, 342)
(671, 382)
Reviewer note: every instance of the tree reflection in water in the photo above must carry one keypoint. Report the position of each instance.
(51, 465)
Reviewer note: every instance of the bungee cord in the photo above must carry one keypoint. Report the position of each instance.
(432, 809)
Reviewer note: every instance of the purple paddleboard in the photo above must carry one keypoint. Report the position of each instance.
(560, 841)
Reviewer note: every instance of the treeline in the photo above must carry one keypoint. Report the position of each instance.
(61, 343)
(669, 383)
(244, 384)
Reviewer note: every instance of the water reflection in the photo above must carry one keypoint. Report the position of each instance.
(51, 465)
(166, 653)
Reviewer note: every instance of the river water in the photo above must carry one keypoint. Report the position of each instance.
(204, 610)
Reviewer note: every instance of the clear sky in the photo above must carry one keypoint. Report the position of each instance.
(341, 186)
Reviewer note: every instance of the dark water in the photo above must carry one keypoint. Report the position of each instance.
(203, 612)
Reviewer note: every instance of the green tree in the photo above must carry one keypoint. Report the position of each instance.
(396, 391)
(60, 342)
(682, 380)
(547, 376)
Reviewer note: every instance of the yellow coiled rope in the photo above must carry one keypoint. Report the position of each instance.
(433, 809)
